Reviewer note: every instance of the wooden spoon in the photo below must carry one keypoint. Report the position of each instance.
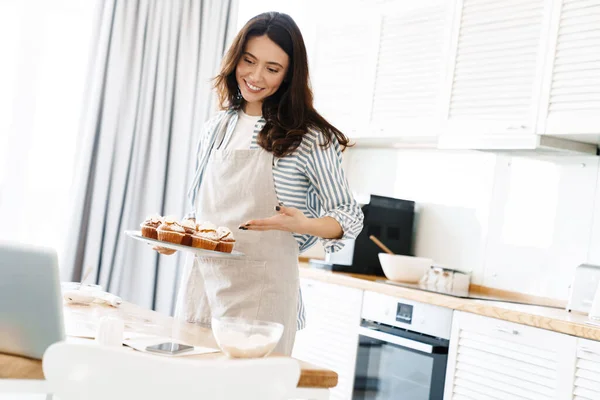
(381, 245)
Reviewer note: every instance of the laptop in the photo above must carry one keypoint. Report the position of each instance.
(31, 315)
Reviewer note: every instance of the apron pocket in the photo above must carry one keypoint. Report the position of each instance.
(233, 287)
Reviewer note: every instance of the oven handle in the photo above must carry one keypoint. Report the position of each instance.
(400, 341)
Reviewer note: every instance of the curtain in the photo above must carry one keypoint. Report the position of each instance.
(149, 92)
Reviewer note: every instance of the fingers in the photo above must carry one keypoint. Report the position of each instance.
(261, 228)
(282, 210)
(256, 222)
(257, 226)
(164, 250)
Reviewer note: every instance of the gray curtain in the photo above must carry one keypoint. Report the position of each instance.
(149, 91)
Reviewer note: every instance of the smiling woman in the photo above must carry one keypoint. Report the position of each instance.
(270, 164)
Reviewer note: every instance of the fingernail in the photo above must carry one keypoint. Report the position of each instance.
(277, 208)
(243, 228)
(280, 203)
(247, 225)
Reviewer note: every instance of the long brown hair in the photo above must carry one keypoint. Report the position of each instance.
(289, 112)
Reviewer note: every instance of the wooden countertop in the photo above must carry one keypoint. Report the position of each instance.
(553, 319)
(82, 319)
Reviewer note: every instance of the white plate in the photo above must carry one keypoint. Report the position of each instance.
(200, 252)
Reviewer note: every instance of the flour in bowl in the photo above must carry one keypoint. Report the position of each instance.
(238, 345)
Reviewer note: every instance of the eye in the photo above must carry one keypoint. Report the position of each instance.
(273, 71)
(249, 61)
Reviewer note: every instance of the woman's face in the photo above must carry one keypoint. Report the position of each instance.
(261, 69)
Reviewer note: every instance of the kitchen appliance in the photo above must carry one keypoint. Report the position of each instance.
(583, 288)
(389, 219)
(402, 349)
(446, 279)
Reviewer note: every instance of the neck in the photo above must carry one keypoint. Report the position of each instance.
(254, 109)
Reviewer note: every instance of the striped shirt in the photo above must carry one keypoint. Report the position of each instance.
(311, 179)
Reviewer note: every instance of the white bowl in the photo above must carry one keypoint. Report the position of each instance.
(402, 268)
(244, 338)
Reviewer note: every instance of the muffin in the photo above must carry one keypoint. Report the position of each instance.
(171, 231)
(226, 240)
(189, 225)
(205, 236)
(149, 226)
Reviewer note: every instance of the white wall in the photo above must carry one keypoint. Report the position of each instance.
(517, 223)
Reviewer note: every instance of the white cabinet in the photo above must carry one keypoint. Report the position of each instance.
(411, 65)
(496, 67)
(330, 339)
(587, 372)
(570, 101)
(492, 359)
(342, 67)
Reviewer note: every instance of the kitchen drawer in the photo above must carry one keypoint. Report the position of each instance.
(519, 335)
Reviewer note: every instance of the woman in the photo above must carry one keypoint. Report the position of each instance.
(270, 164)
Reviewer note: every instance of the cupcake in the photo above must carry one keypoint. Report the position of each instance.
(205, 236)
(171, 231)
(226, 240)
(189, 225)
(149, 226)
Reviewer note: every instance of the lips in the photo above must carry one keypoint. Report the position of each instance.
(252, 88)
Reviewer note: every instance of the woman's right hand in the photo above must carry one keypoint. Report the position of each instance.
(163, 250)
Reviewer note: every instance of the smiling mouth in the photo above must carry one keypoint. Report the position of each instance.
(252, 88)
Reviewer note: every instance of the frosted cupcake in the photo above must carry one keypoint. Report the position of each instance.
(205, 236)
(171, 231)
(226, 240)
(189, 225)
(149, 226)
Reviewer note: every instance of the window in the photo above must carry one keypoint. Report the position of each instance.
(45, 49)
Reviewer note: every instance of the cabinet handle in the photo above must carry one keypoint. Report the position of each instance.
(509, 331)
(587, 350)
(516, 127)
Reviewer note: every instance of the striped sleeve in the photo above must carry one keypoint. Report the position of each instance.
(327, 179)
(203, 144)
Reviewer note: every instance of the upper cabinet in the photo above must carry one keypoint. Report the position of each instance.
(570, 101)
(496, 66)
(342, 66)
(377, 72)
(410, 69)
(482, 74)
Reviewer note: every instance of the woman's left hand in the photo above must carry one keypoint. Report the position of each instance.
(287, 219)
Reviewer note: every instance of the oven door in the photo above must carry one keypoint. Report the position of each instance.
(394, 363)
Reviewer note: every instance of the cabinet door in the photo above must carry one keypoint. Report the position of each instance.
(587, 372)
(496, 67)
(570, 102)
(330, 338)
(344, 58)
(492, 359)
(411, 63)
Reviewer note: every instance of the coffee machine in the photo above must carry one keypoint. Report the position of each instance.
(390, 220)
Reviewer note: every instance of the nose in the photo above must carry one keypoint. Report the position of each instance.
(255, 75)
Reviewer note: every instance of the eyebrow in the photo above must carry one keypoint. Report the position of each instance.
(268, 62)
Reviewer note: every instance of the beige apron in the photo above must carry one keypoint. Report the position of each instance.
(237, 186)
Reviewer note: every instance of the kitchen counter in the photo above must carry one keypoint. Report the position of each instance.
(553, 319)
(80, 321)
